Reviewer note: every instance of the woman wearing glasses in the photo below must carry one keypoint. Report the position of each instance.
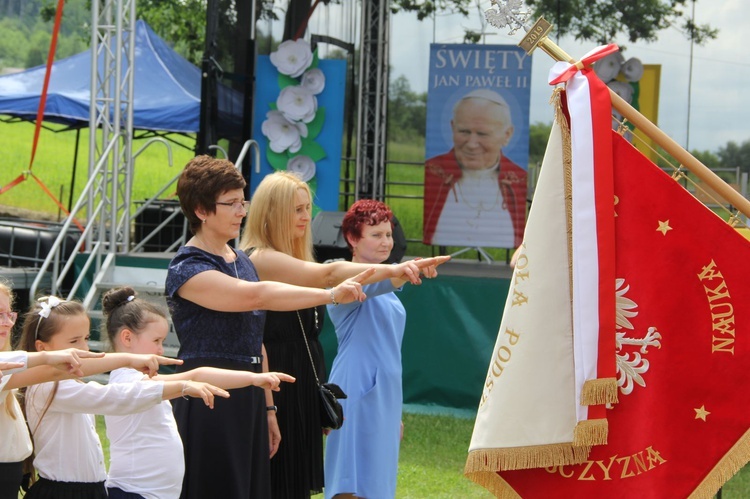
(278, 239)
(218, 310)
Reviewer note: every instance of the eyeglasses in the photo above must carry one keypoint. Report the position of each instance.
(236, 205)
(9, 317)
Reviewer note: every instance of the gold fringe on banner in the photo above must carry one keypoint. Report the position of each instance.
(599, 391)
(590, 432)
(520, 458)
(737, 457)
(567, 156)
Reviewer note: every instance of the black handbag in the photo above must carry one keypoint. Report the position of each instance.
(331, 412)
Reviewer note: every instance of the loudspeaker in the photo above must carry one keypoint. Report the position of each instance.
(329, 242)
(26, 243)
(150, 218)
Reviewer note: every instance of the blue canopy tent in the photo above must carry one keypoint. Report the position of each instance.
(166, 91)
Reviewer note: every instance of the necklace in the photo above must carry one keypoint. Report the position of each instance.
(218, 253)
(206, 247)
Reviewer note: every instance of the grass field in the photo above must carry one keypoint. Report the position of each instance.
(431, 462)
(53, 166)
(433, 454)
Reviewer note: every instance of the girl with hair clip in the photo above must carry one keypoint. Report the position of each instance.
(16, 442)
(278, 239)
(69, 457)
(146, 453)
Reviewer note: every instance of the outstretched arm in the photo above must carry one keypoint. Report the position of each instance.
(9, 365)
(68, 361)
(216, 291)
(278, 266)
(229, 379)
(197, 389)
(147, 364)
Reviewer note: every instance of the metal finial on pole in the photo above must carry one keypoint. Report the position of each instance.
(510, 13)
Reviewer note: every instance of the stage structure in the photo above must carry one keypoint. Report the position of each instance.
(105, 256)
(373, 99)
(105, 201)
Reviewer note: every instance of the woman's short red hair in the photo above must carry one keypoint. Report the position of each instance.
(361, 213)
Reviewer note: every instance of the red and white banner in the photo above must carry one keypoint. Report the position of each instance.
(679, 335)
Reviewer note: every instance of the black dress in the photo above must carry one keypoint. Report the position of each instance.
(297, 468)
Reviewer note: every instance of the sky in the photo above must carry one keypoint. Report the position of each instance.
(719, 71)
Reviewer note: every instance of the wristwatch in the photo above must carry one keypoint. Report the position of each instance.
(272, 408)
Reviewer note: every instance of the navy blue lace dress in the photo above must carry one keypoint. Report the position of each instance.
(226, 448)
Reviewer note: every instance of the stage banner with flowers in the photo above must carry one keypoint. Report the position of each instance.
(477, 145)
(681, 426)
(299, 119)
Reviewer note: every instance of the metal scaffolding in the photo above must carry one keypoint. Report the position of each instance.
(111, 123)
(373, 99)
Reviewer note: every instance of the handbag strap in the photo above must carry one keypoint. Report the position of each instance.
(304, 336)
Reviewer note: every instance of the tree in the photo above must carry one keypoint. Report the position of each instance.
(603, 20)
(733, 155)
(599, 20)
(407, 111)
(538, 137)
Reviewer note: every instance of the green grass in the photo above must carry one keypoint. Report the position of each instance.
(53, 165)
(431, 462)
(433, 454)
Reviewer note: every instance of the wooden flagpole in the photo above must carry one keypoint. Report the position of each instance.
(537, 37)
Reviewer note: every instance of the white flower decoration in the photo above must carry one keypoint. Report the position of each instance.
(292, 57)
(282, 134)
(303, 166)
(296, 103)
(632, 70)
(314, 80)
(608, 67)
(48, 305)
(623, 89)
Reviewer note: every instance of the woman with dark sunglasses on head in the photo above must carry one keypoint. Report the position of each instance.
(218, 309)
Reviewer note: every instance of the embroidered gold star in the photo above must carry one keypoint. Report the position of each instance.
(701, 413)
(664, 227)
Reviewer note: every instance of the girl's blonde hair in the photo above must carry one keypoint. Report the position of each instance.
(8, 291)
(270, 220)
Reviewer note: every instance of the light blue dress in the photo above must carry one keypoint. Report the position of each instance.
(362, 457)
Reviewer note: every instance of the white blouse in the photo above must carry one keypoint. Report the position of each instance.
(66, 444)
(16, 442)
(145, 450)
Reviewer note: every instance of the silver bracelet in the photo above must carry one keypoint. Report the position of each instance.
(184, 386)
(333, 298)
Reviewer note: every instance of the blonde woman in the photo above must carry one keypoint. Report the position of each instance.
(278, 239)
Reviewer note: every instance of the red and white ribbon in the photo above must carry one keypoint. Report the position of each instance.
(589, 109)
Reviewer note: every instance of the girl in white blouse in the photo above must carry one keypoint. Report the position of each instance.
(146, 453)
(68, 453)
(16, 443)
